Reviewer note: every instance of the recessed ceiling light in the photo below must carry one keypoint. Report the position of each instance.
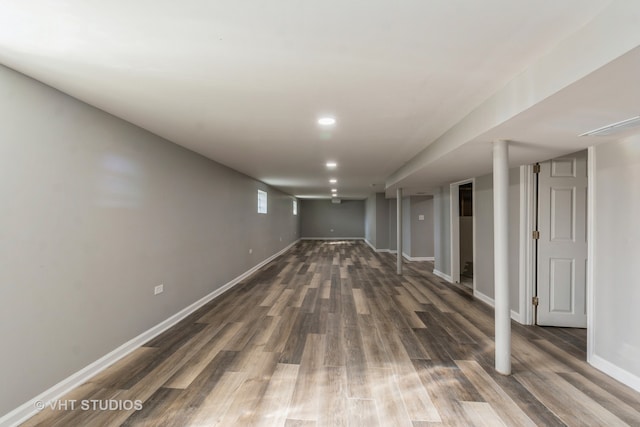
(334, 190)
(326, 121)
(331, 165)
(333, 180)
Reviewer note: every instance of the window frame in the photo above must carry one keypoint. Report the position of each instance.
(263, 202)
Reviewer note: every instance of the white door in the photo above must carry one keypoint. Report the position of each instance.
(562, 247)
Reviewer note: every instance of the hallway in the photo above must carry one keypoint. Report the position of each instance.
(328, 334)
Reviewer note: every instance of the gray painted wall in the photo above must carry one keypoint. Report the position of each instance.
(483, 270)
(382, 222)
(442, 230)
(319, 217)
(95, 213)
(393, 213)
(422, 232)
(406, 226)
(616, 288)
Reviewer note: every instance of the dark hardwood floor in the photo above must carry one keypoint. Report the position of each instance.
(329, 335)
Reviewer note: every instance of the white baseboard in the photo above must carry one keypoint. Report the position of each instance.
(417, 258)
(379, 250)
(615, 372)
(28, 409)
(370, 245)
(332, 238)
(441, 275)
(490, 301)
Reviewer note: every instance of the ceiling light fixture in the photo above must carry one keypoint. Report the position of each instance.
(334, 190)
(333, 181)
(331, 165)
(326, 121)
(614, 127)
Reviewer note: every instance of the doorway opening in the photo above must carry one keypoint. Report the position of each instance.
(465, 202)
(463, 233)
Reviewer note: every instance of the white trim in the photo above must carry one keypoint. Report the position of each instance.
(417, 258)
(376, 249)
(454, 231)
(475, 230)
(28, 409)
(591, 265)
(332, 238)
(526, 243)
(370, 245)
(441, 275)
(484, 298)
(490, 302)
(615, 372)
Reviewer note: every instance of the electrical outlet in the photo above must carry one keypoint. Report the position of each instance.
(281, 238)
(158, 289)
(250, 251)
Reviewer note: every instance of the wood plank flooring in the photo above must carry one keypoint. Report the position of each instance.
(329, 335)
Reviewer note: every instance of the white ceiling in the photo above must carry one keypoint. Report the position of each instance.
(243, 82)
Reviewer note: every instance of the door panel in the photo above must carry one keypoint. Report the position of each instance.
(561, 283)
(563, 202)
(562, 247)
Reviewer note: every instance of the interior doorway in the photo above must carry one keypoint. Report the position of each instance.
(465, 202)
(463, 233)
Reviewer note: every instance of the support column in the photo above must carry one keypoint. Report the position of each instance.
(399, 229)
(501, 256)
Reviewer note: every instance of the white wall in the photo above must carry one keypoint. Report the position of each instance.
(442, 230)
(615, 318)
(370, 226)
(95, 212)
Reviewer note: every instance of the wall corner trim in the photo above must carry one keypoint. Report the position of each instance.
(28, 409)
(370, 245)
(441, 275)
(373, 247)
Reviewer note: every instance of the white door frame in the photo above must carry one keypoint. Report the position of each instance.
(591, 216)
(454, 197)
(527, 244)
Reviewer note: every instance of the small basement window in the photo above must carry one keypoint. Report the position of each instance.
(262, 202)
(295, 207)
